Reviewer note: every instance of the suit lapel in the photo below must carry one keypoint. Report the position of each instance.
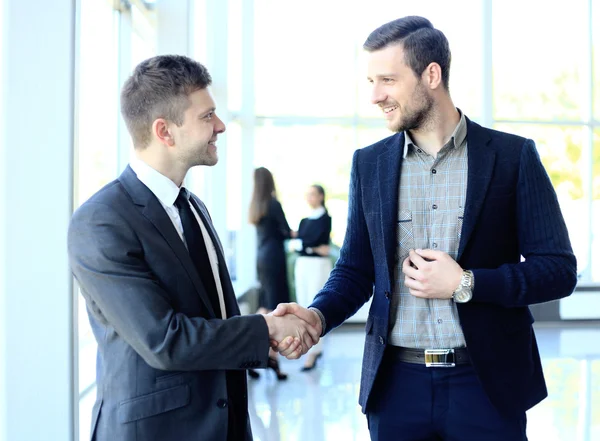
(481, 166)
(388, 171)
(156, 214)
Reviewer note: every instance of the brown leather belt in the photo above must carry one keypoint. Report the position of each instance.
(430, 357)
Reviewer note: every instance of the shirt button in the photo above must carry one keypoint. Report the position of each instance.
(381, 340)
(434, 171)
(440, 321)
(419, 150)
(222, 403)
(434, 207)
(434, 245)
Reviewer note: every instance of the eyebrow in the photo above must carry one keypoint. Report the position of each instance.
(204, 112)
(388, 75)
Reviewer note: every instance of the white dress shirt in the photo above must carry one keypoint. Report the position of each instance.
(166, 191)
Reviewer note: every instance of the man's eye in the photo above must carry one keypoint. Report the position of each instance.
(209, 115)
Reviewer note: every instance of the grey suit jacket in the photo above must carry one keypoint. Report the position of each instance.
(162, 353)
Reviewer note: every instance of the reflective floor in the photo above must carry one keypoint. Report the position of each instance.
(323, 404)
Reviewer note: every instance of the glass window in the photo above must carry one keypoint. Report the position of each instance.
(234, 55)
(596, 56)
(301, 155)
(596, 208)
(466, 45)
(97, 147)
(540, 78)
(560, 149)
(320, 71)
(143, 37)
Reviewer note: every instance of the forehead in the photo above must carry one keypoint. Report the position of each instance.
(390, 59)
(201, 100)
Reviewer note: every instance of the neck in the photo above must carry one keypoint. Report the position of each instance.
(437, 131)
(163, 164)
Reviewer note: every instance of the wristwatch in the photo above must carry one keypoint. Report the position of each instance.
(464, 292)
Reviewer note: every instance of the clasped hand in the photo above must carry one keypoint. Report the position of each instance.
(293, 330)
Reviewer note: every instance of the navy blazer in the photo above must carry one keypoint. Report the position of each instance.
(163, 353)
(511, 211)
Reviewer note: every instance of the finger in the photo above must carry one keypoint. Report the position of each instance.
(294, 355)
(417, 293)
(285, 344)
(274, 344)
(282, 309)
(295, 346)
(408, 270)
(416, 259)
(429, 254)
(412, 283)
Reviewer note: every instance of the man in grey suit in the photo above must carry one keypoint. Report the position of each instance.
(172, 348)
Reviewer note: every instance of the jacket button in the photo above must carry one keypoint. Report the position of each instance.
(222, 403)
(387, 295)
(381, 340)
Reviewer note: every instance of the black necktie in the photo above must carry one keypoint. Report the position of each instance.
(197, 248)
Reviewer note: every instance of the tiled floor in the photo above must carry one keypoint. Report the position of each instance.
(322, 404)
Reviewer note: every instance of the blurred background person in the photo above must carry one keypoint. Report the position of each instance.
(272, 229)
(313, 265)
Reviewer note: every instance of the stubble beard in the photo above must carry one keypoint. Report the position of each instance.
(416, 119)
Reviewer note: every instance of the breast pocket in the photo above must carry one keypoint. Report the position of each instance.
(406, 237)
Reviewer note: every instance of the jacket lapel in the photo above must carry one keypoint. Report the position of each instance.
(156, 214)
(389, 162)
(481, 166)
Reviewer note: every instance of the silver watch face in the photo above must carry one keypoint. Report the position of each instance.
(462, 295)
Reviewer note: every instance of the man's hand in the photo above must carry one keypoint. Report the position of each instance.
(431, 274)
(286, 347)
(293, 333)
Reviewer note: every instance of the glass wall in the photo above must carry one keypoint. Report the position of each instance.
(545, 91)
(113, 38)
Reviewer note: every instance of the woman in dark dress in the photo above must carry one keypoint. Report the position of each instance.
(313, 265)
(272, 230)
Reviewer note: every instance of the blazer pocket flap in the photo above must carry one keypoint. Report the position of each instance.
(154, 404)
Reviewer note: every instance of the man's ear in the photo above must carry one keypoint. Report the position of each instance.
(162, 132)
(432, 75)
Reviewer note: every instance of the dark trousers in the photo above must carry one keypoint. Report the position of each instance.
(411, 402)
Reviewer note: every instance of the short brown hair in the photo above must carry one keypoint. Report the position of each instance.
(423, 44)
(159, 87)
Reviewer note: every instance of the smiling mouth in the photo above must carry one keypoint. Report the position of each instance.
(389, 109)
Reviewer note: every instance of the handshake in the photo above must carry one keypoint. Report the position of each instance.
(293, 330)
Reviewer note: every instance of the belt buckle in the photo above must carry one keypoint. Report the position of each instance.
(439, 358)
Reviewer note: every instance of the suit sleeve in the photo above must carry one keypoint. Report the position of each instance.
(350, 283)
(549, 271)
(121, 291)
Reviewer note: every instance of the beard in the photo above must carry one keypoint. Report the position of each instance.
(418, 114)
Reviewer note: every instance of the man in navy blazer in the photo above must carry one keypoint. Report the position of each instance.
(172, 348)
(454, 229)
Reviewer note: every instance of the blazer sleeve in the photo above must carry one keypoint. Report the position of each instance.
(108, 261)
(350, 283)
(549, 271)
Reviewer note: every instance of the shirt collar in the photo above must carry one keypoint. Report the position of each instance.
(163, 188)
(317, 213)
(456, 139)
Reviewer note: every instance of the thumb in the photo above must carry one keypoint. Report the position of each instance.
(283, 309)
